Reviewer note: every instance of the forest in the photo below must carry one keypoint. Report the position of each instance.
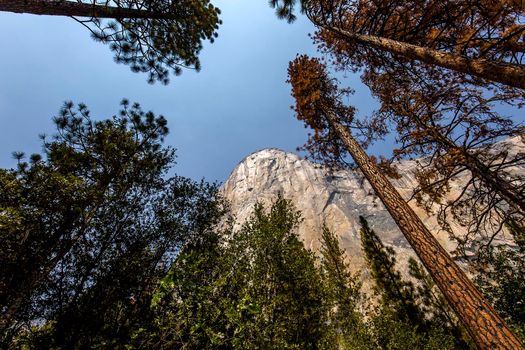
(104, 246)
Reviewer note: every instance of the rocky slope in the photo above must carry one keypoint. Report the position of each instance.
(336, 198)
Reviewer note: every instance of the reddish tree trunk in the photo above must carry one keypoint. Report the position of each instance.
(76, 9)
(508, 74)
(485, 326)
(510, 193)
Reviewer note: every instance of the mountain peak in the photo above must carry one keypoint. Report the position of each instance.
(268, 153)
(336, 199)
(322, 196)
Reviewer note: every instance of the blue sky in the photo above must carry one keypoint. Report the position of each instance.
(237, 104)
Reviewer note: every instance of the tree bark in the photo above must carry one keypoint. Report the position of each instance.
(486, 327)
(510, 193)
(508, 74)
(76, 9)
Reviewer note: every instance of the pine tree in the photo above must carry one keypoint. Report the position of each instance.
(388, 282)
(318, 104)
(409, 315)
(454, 130)
(500, 276)
(78, 223)
(481, 39)
(153, 37)
(343, 295)
(445, 115)
(252, 288)
(284, 283)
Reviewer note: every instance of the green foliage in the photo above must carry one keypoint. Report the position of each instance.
(151, 36)
(285, 9)
(106, 252)
(256, 287)
(88, 229)
(342, 295)
(409, 316)
(284, 284)
(170, 38)
(250, 288)
(388, 282)
(500, 275)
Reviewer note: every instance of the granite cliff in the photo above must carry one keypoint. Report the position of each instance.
(336, 198)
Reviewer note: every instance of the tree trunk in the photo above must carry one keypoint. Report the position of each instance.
(508, 74)
(510, 193)
(480, 319)
(33, 278)
(76, 9)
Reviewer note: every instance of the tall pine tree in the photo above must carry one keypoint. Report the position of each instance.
(482, 39)
(93, 223)
(319, 105)
(153, 36)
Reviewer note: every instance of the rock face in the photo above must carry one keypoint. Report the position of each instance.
(335, 198)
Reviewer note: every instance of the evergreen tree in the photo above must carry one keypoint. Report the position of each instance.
(388, 282)
(87, 229)
(407, 316)
(444, 115)
(284, 284)
(191, 300)
(153, 36)
(480, 38)
(319, 105)
(343, 296)
(257, 289)
(454, 131)
(500, 275)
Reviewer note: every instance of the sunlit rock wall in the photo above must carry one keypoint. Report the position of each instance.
(335, 198)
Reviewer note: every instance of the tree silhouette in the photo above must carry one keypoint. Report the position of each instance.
(152, 37)
(98, 206)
